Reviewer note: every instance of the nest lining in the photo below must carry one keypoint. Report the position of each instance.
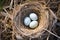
(25, 10)
(27, 13)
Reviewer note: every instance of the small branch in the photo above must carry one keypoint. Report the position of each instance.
(11, 4)
(52, 33)
(48, 2)
(7, 14)
(54, 16)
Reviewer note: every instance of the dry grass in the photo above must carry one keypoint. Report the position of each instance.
(8, 28)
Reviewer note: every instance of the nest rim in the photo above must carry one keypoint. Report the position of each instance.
(35, 32)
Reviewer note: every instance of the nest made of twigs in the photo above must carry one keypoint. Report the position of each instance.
(24, 10)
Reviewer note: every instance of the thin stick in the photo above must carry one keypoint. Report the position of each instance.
(52, 33)
(11, 4)
(7, 14)
(48, 2)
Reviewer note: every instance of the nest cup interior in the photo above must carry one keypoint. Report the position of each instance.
(26, 13)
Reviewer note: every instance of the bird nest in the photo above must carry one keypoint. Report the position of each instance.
(43, 19)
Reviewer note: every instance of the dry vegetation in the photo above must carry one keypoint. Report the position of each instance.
(9, 10)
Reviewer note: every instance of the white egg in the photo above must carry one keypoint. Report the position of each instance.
(33, 16)
(27, 21)
(33, 24)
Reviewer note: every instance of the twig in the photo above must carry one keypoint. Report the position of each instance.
(53, 22)
(48, 2)
(54, 17)
(7, 14)
(13, 33)
(52, 33)
(11, 4)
